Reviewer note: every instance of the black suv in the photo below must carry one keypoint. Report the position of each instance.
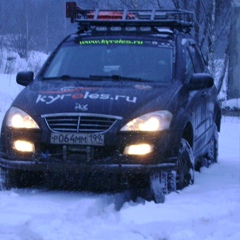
(126, 102)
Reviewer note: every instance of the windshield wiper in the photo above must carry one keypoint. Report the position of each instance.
(65, 77)
(115, 78)
(96, 78)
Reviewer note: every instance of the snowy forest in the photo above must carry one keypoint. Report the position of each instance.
(31, 25)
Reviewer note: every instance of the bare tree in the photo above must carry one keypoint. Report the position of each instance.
(234, 60)
(19, 39)
(211, 31)
(134, 4)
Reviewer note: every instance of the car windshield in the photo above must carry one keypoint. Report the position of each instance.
(113, 59)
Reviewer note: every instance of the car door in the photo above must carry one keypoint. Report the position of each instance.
(207, 94)
(198, 99)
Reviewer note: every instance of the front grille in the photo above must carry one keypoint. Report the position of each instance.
(80, 122)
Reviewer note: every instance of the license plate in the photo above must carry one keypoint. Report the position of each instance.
(77, 138)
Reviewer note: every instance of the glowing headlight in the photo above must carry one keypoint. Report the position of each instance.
(154, 121)
(24, 146)
(138, 149)
(17, 118)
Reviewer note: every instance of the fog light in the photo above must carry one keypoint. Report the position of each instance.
(138, 149)
(24, 146)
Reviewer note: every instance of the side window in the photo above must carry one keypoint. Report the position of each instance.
(189, 67)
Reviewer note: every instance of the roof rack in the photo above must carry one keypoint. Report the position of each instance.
(154, 18)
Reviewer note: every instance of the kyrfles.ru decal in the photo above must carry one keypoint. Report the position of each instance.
(49, 98)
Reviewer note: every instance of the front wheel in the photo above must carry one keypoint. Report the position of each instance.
(212, 155)
(185, 165)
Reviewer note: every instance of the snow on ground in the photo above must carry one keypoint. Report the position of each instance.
(11, 62)
(231, 104)
(207, 210)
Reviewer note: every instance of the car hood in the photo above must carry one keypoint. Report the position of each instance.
(119, 99)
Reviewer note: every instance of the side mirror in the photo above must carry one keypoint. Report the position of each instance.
(24, 78)
(200, 81)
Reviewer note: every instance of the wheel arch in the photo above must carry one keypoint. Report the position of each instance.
(188, 134)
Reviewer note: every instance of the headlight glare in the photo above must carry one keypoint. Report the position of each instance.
(138, 149)
(24, 146)
(151, 122)
(17, 118)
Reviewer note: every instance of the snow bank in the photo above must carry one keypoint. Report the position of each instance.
(11, 63)
(8, 91)
(231, 104)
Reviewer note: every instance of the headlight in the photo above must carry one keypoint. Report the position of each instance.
(24, 146)
(138, 149)
(17, 118)
(151, 122)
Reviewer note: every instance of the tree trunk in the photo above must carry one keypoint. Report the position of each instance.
(234, 62)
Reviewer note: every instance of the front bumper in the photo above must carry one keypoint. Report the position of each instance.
(97, 176)
(66, 167)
